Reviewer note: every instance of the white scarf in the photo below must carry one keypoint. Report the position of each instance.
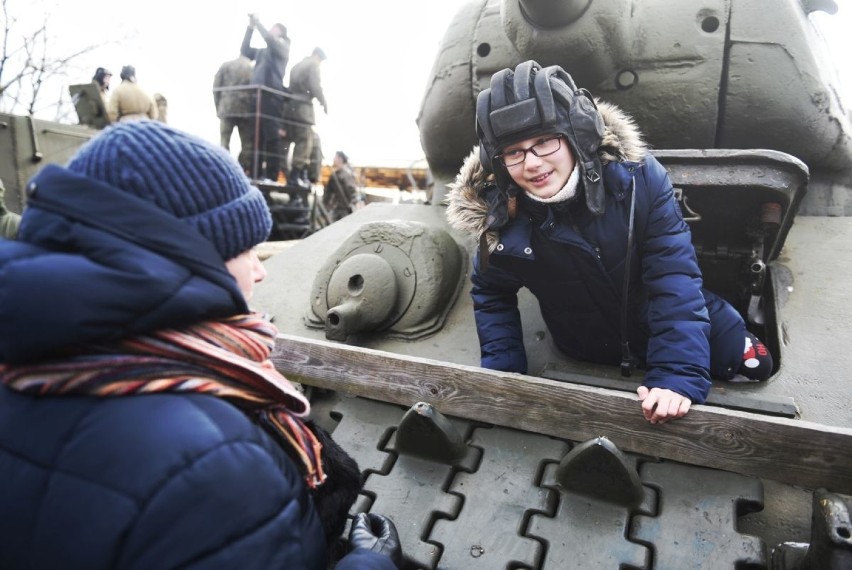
(568, 191)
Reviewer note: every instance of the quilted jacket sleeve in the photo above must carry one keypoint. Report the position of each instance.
(498, 321)
(678, 356)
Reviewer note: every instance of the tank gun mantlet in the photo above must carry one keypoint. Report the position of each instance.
(398, 277)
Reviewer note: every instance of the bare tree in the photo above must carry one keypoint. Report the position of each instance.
(29, 68)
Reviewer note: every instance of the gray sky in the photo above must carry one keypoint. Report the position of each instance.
(380, 53)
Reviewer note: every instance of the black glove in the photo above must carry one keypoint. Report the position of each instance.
(377, 533)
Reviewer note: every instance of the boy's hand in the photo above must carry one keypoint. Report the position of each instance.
(660, 405)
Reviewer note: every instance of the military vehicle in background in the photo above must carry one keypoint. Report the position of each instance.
(27, 144)
(558, 469)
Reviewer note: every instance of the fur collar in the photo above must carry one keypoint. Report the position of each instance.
(466, 205)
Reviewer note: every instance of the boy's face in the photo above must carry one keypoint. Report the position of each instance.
(247, 270)
(541, 176)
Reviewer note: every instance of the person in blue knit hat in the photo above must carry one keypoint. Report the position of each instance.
(142, 424)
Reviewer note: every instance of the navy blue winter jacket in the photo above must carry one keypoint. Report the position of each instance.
(574, 262)
(148, 481)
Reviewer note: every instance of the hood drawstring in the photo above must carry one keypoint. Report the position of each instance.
(626, 357)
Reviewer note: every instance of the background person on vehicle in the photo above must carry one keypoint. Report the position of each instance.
(234, 106)
(130, 102)
(270, 65)
(305, 80)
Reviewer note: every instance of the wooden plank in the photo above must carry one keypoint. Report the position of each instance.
(772, 405)
(786, 450)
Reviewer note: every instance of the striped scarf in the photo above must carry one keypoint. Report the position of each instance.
(226, 358)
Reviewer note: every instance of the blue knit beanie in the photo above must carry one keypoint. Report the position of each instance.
(192, 179)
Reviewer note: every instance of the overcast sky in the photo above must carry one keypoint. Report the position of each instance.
(380, 53)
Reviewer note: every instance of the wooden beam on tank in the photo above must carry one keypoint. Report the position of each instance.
(786, 450)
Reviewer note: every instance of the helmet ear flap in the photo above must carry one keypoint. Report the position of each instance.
(483, 130)
(587, 95)
(586, 131)
(587, 123)
(588, 127)
(484, 159)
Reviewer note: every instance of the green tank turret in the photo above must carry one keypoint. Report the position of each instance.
(716, 74)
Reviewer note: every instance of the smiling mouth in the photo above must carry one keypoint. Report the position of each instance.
(540, 178)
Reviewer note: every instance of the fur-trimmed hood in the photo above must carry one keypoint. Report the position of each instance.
(467, 209)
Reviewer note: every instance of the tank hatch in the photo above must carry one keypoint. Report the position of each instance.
(740, 205)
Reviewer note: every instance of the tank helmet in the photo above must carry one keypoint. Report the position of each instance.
(531, 100)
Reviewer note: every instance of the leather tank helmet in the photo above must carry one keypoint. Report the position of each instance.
(532, 100)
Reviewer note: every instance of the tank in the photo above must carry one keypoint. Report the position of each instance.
(557, 469)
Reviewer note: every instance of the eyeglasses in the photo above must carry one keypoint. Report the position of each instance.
(542, 148)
